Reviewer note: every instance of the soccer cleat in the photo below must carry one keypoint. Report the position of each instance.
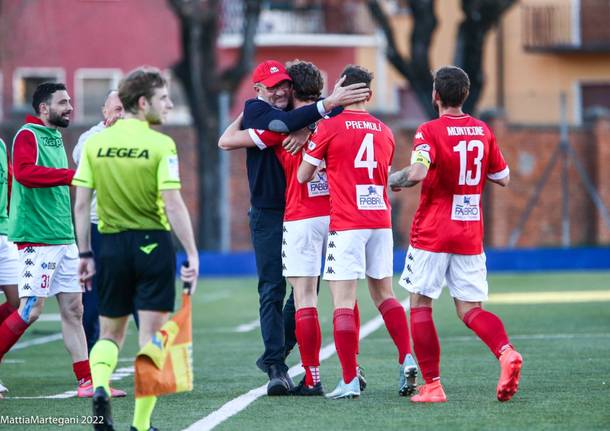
(303, 390)
(346, 390)
(510, 371)
(408, 377)
(102, 411)
(430, 393)
(2, 389)
(361, 377)
(86, 391)
(152, 428)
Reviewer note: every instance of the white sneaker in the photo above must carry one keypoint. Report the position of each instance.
(2, 389)
(346, 390)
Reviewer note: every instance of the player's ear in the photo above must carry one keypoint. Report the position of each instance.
(368, 99)
(142, 103)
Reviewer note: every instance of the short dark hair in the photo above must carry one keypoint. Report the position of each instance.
(139, 82)
(452, 85)
(356, 74)
(44, 92)
(307, 81)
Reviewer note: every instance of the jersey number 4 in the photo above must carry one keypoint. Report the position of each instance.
(366, 155)
(466, 175)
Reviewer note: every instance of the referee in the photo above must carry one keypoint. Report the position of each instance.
(134, 171)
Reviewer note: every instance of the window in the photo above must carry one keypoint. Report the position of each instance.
(594, 95)
(181, 114)
(25, 81)
(91, 87)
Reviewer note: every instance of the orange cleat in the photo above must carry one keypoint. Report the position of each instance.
(86, 391)
(510, 371)
(430, 393)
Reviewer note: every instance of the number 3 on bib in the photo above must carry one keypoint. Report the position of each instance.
(367, 149)
(466, 176)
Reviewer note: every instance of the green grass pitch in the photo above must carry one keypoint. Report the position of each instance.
(565, 382)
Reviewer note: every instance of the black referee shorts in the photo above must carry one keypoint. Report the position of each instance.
(137, 268)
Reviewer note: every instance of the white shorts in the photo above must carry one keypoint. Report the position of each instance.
(352, 254)
(425, 273)
(303, 246)
(9, 262)
(48, 270)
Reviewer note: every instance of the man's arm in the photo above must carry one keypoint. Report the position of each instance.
(82, 208)
(233, 138)
(180, 221)
(306, 171)
(408, 177)
(28, 173)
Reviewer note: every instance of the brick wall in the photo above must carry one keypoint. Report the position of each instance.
(527, 150)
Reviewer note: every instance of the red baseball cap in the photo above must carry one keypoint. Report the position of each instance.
(270, 73)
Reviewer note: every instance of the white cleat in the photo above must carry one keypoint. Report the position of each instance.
(408, 377)
(346, 390)
(2, 389)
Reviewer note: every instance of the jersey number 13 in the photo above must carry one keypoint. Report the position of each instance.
(470, 177)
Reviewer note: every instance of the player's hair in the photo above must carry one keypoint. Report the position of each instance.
(43, 94)
(307, 81)
(356, 74)
(452, 85)
(139, 82)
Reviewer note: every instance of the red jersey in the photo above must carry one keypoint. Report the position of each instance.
(462, 153)
(302, 200)
(358, 150)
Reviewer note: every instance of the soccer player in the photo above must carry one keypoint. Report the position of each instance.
(452, 156)
(134, 171)
(9, 257)
(111, 111)
(40, 223)
(358, 151)
(267, 184)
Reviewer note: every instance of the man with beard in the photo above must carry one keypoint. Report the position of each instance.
(134, 171)
(40, 223)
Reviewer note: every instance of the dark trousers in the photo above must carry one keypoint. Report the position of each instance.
(277, 319)
(91, 316)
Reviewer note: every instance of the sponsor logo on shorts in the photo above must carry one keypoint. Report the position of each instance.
(330, 257)
(318, 186)
(29, 250)
(283, 267)
(331, 244)
(29, 262)
(49, 265)
(407, 280)
(330, 270)
(370, 197)
(27, 286)
(410, 256)
(466, 208)
(27, 274)
(283, 254)
(285, 230)
(409, 269)
(332, 233)
(148, 249)
(284, 241)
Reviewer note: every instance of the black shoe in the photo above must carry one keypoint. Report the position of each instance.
(361, 378)
(278, 384)
(303, 390)
(101, 410)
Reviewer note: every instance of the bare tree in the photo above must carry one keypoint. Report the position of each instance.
(479, 17)
(204, 84)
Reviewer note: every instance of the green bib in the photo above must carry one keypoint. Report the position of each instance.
(3, 189)
(42, 215)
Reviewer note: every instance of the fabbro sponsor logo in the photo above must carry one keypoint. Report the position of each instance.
(370, 197)
(466, 208)
(318, 186)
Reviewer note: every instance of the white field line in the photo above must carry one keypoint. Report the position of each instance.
(238, 404)
(119, 374)
(49, 317)
(37, 341)
(250, 326)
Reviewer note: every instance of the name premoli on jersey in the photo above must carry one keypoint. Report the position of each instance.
(369, 125)
(127, 153)
(370, 197)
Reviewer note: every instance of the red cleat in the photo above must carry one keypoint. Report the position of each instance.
(430, 393)
(510, 371)
(86, 391)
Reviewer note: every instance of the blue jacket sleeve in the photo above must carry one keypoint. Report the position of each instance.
(259, 114)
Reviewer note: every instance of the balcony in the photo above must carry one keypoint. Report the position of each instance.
(302, 22)
(581, 26)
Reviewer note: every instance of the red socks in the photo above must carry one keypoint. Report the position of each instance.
(346, 341)
(395, 320)
(5, 310)
(11, 330)
(488, 328)
(357, 317)
(82, 371)
(425, 343)
(309, 338)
